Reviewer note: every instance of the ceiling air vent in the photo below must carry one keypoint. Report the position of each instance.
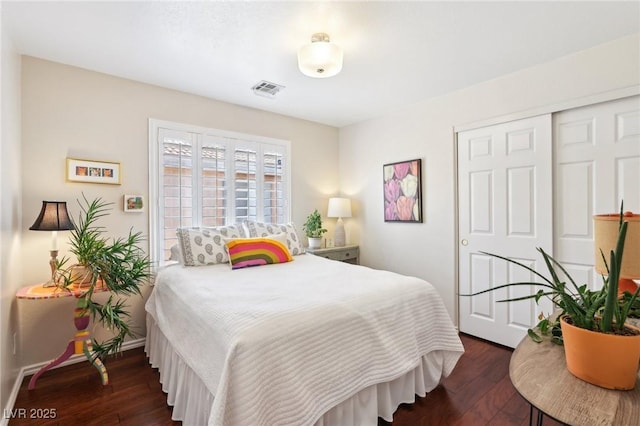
(267, 89)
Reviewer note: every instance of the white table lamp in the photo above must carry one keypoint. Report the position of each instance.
(339, 207)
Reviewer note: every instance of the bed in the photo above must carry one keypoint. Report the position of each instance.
(307, 342)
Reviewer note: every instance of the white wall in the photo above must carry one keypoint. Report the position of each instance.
(71, 112)
(426, 130)
(10, 207)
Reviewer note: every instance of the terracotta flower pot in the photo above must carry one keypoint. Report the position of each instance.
(606, 360)
(81, 276)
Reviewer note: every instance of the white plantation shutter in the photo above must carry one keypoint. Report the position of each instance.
(208, 177)
(176, 190)
(245, 181)
(214, 182)
(275, 197)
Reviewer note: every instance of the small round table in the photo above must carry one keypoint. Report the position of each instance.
(539, 373)
(81, 343)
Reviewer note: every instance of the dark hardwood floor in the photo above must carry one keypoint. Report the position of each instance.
(478, 392)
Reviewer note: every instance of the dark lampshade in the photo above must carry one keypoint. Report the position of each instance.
(53, 217)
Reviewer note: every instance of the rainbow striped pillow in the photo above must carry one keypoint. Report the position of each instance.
(244, 252)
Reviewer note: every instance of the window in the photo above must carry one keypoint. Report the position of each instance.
(208, 177)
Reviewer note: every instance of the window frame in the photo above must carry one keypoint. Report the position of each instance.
(231, 140)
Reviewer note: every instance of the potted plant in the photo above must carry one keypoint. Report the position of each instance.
(119, 264)
(314, 230)
(599, 347)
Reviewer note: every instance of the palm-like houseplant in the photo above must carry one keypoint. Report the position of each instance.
(118, 264)
(601, 311)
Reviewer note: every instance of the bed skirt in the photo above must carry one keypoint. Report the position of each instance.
(192, 401)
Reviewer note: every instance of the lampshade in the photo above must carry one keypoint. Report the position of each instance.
(53, 217)
(606, 236)
(339, 207)
(320, 58)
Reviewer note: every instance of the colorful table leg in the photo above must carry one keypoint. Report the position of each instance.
(81, 344)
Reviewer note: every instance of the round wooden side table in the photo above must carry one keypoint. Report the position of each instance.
(539, 373)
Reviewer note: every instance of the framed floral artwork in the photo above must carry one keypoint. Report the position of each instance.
(402, 191)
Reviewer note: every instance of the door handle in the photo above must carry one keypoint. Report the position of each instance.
(464, 242)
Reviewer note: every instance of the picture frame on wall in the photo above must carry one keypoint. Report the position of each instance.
(93, 171)
(133, 203)
(402, 191)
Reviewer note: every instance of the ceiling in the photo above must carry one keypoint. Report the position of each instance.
(396, 52)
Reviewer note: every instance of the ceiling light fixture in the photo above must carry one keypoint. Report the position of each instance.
(320, 58)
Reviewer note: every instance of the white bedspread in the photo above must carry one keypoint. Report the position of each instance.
(282, 344)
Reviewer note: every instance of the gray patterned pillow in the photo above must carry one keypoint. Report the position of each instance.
(260, 229)
(205, 246)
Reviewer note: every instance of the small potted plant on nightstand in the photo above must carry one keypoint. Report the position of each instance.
(314, 230)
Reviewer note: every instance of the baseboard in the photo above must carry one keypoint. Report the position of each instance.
(33, 368)
(12, 399)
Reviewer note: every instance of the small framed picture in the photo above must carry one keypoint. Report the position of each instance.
(93, 171)
(133, 203)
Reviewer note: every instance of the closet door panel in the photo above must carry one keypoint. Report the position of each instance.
(505, 196)
(597, 164)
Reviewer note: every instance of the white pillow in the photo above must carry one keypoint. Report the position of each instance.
(261, 229)
(205, 246)
(176, 255)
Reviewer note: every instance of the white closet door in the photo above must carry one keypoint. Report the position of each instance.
(505, 207)
(597, 156)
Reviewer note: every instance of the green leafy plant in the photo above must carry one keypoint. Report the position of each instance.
(313, 226)
(634, 305)
(119, 264)
(596, 310)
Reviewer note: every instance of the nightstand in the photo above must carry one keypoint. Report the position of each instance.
(81, 344)
(348, 254)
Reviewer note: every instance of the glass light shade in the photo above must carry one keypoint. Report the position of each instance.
(606, 236)
(339, 207)
(320, 58)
